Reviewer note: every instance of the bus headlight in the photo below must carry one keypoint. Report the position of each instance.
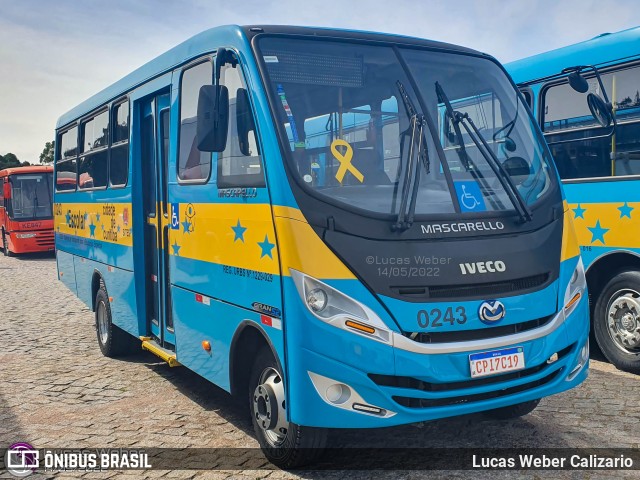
(317, 299)
(339, 310)
(576, 289)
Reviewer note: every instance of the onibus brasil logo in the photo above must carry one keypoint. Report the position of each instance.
(21, 459)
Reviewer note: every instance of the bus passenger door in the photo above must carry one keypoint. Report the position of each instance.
(155, 150)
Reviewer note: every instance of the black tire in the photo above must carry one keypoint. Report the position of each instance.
(513, 411)
(112, 340)
(5, 246)
(623, 284)
(300, 445)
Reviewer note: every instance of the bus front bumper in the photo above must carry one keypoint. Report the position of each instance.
(31, 241)
(362, 383)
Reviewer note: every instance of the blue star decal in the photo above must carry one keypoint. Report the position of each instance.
(597, 233)
(118, 227)
(625, 210)
(176, 247)
(578, 212)
(266, 247)
(239, 230)
(92, 230)
(97, 217)
(68, 217)
(187, 226)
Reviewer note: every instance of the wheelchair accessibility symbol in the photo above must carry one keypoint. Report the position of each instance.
(470, 197)
(175, 216)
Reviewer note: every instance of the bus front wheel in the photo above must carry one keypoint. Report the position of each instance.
(616, 321)
(113, 341)
(285, 444)
(5, 246)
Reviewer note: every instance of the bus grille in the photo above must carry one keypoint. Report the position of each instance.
(45, 239)
(475, 290)
(478, 397)
(478, 334)
(417, 384)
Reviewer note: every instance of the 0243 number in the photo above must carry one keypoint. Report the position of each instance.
(435, 317)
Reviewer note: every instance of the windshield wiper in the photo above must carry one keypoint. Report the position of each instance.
(463, 118)
(417, 124)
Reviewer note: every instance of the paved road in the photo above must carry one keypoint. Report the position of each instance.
(57, 390)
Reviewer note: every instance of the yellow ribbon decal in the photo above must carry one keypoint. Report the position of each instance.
(345, 161)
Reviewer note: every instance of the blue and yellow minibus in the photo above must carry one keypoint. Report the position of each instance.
(601, 174)
(343, 229)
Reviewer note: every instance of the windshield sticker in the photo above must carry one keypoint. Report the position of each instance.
(345, 161)
(470, 197)
(270, 59)
(292, 123)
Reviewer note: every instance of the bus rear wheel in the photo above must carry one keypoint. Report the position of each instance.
(616, 321)
(113, 341)
(285, 444)
(513, 411)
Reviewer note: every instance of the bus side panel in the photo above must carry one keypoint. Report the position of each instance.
(66, 270)
(605, 216)
(120, 289)
(84, 273)
(120, 286)
(202, 318)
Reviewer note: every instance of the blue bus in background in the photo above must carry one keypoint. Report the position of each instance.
(601, 175)
(343, 229)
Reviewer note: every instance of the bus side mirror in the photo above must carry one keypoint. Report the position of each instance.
(578, 83)
(213, 118)
(244, 119)
(601, 111)
(6, 190)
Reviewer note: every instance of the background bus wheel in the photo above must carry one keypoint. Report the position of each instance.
(113, 341)
(616, 321)
(513, 411)
(5, 246)
(285, 444)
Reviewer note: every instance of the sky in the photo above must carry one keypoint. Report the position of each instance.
(55, 54)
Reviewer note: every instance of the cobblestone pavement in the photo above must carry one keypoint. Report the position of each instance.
(57, 390)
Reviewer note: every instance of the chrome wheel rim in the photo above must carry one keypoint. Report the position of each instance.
(269, 407)
(103, 323)
(623, 320)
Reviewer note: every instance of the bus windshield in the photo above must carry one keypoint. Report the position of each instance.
(366, 122)
(31, 196)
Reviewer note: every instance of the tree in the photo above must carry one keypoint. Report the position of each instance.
(47, 154)
(9, 160)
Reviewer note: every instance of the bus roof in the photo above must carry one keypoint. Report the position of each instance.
(29, 169)
(207, 41)
(607, 48)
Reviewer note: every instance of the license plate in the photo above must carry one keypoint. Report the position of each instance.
(497, 361)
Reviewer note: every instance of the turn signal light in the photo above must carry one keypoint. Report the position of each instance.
(206, 345)
(573, 301)
(359, 326)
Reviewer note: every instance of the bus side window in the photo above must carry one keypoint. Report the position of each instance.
(240, 164)
(93, 166)
(119, 155)
(67, 145)
(193, 165)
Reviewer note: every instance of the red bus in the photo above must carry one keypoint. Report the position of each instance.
(26, 215)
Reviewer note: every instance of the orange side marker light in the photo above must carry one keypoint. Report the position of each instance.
(206, 345)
